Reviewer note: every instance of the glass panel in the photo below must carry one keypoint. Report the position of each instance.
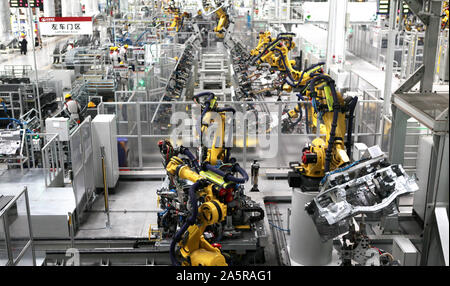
(27, 258)
(3, 249)
(18, 226)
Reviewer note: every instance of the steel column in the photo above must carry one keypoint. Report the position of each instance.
(431, 44)
(398, 135)
(390, 58)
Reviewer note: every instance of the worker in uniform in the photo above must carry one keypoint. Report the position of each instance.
(123, 77)
(56, 54)
(73, 107)
(114, 55)
(123, 53)
(70, 46)
(23, 45)
(91, 109)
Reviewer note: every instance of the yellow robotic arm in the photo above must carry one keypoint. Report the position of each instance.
(194, 248)
(263, 41)
(313, 158)
(222, 23)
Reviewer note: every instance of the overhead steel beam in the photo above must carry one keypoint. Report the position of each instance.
(416, 6)
(433, 9)
(411, 81)
(390, 57)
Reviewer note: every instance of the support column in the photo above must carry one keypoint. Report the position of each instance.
(337, 31)
(123, 6)
(94, 5)
(87, 7)
(398, 136)
(431, 44)
(389, 70)
(49, 8)
(66, 8)
(76, 8)
(5, 20)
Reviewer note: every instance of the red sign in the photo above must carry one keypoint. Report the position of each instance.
(65, 19)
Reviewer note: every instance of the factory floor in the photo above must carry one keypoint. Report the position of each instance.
(44, 55)
(133, 207)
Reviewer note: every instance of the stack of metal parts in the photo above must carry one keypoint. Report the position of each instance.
(180, 75)
(254, 81)
(370, 186)
(10, 142)
(20, 98)
(177, 86)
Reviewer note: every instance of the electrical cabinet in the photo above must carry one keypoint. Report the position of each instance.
(104, 134)
(58, 125)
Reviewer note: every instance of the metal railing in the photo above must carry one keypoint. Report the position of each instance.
(142, 134)
(52, 162)
(82, 165)
(16, 235)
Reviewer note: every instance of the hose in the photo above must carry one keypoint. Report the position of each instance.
(188, 153)
(351, 111)
(226, 109)
(190, 221)
(14, 120)
(300, 96)
(4, 108)
(227, 176)
(253, 219)
(330, 82)
(207, 102)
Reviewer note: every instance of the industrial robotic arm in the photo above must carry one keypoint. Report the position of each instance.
(194, 248)
(214, 207)
(263, 40)
(223, 22)
(332, 149)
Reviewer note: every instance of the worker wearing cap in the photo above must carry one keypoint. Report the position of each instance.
(114, 55)
(123, 53)
(123, 80)
(91, 109)
(72, 107)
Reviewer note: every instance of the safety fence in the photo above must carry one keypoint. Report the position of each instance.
(81, 152)
(142, 124)
(371, 44)
(52, 161)
(16, 236)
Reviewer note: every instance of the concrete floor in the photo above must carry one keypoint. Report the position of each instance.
(44, 55)
(133, 208)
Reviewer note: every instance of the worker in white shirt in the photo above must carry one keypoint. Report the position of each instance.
(70, 46)
(123, 77)
(123, 53)
(73, 107)
(114, 55)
